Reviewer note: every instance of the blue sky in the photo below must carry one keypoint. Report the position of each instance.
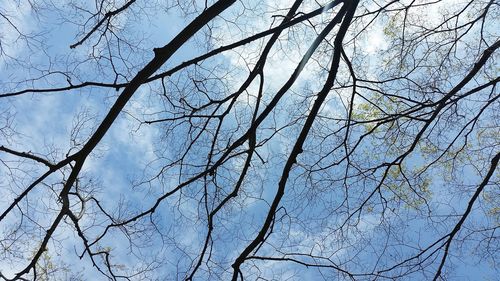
(126, 172)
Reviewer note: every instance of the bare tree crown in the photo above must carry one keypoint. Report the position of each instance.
(249, 140)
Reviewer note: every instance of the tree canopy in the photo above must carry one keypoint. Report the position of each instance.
(249, 140)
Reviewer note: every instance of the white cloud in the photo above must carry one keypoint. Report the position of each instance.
(15, 22)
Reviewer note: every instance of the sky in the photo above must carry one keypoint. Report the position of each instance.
(122, 170)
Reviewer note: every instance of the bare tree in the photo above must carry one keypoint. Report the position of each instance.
(342, 140)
